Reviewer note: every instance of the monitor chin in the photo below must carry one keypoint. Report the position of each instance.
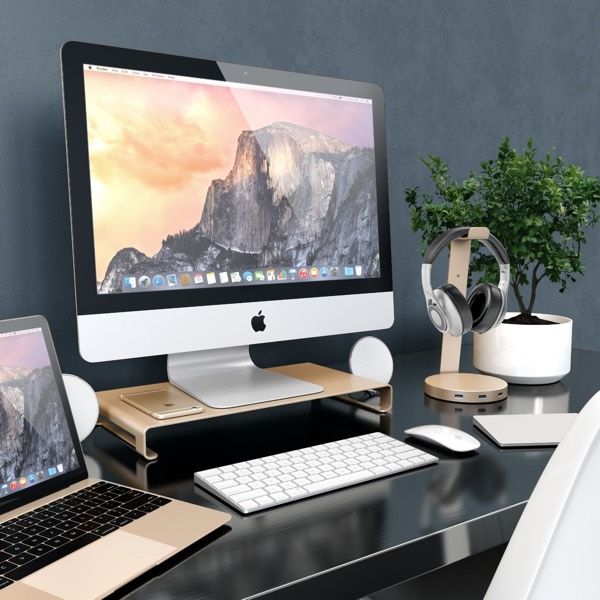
(122, 335)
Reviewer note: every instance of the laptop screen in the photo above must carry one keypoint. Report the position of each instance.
(36, 441)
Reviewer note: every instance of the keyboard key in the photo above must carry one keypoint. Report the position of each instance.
(288, 485)
(76, 519)
(250, 495)
(5, 567)
(379, 470)
(223, 485)
(40, 549)
(89, 526)
(135, 514)
(73, 534)
(57, 541)
(102, 519)
(238, 489)
(13, 549)
(138, 501)
(14, 538)
(341, 481)
(214, 479)
(4, 582)
(264, 500)
(66, 525)
(278, 496)
(22, 559)
(57, 509)
(121, 521)
(248, 504)
(9, 529)
(105, 529)
(34, 540)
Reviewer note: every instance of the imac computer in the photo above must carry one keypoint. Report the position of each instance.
(214, 206)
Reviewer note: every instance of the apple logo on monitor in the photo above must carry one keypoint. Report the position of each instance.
(258, 322)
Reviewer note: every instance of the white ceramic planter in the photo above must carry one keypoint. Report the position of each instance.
(527, 354)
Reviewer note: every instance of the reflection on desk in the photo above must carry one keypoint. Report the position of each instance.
(354, 541)
(538, 399)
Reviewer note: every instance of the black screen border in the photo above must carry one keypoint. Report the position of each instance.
(59, 482)
(75, 54)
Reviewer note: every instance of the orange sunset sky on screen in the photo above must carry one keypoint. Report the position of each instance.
(155, 146)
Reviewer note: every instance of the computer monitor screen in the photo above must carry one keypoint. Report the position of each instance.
(216, 205)
(199, 183)
(36, 443)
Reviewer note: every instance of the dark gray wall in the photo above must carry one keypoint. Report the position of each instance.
(458, 75)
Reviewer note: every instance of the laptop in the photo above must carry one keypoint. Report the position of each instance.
(62, 534)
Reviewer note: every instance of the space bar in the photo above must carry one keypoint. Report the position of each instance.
(338, 482)
(50, 557)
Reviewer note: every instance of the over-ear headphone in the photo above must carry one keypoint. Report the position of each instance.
(483, 309)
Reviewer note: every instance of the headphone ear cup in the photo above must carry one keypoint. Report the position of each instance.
(455, 308)
(485, 304)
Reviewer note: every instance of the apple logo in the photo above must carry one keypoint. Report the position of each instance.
(258, 322)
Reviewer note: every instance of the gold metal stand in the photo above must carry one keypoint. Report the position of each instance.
(133, 426)
(449, 384)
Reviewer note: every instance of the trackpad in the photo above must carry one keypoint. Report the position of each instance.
(99, 568)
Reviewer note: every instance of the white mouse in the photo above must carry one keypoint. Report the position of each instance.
(446, 437)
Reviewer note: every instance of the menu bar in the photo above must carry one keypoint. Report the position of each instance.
(228, 84)
(20, 332)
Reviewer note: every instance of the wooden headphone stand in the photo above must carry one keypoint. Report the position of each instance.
(450, 384)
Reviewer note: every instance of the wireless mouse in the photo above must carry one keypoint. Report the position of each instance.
(446, 437)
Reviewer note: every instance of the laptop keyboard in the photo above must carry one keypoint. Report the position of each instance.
(46, 534)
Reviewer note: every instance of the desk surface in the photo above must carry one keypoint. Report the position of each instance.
(354, 541)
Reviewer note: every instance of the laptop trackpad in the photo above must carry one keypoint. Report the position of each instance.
(100, 567)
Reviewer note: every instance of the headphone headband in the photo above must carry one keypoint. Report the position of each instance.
(492, 243)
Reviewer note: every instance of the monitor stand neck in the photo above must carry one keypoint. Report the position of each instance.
(227, 378)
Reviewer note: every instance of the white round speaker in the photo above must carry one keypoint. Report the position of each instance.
(84, 404)
(371, 358)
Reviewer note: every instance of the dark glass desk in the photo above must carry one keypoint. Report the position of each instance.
(358, 540)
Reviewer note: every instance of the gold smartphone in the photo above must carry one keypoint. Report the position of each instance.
(163, 403)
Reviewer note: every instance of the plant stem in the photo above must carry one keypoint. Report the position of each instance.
(534, 284)
(519, 298)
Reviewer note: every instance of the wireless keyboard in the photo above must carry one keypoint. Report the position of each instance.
(273, 480)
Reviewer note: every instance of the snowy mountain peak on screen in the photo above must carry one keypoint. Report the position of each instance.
(293, 197)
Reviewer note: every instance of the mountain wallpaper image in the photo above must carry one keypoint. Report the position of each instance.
(194, 176)
(34, 434)
(293, 197)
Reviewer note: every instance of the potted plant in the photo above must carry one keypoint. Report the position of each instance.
(540, 209)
